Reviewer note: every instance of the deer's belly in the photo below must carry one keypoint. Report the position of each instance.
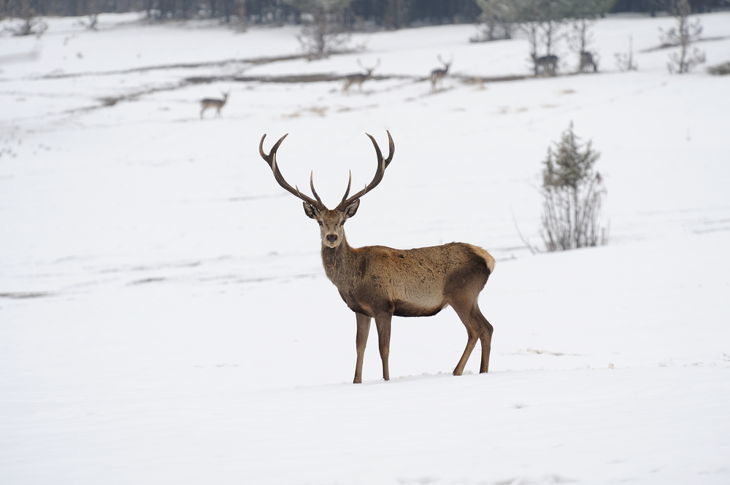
(409, 301)
(409, 309)
(417, 300)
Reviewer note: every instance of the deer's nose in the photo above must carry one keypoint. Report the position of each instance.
(332, 237)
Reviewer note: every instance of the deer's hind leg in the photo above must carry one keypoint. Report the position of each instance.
(465, 310)
(485, 337)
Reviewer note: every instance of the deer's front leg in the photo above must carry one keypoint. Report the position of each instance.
(363, 328)
(382, 321)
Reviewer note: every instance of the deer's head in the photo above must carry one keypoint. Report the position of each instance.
(331, 221)
(368, 71)
(445, 65)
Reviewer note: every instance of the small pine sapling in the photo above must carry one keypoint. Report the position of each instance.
(683, 35)
(625, 60)
(573, 194)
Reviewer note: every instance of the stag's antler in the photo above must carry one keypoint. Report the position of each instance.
(382, 165)
(271, 160)
(368, 69)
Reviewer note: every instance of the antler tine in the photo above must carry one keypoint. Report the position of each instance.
(272, 153)
(311, 186)
(391, 149)
(446, 63)
(379, 172)
(270, 158)
(347, 191)
(261, 149)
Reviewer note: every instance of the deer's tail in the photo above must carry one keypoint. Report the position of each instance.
(482, 253)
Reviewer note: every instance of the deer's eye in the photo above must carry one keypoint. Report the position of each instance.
(320, 223)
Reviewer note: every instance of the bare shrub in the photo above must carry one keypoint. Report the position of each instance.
(625, 60)
(323, 31)
(29, 23)
(683, 34)
(497, 20)
(573, 193)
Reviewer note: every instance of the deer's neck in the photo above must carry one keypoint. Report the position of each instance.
(338, 263)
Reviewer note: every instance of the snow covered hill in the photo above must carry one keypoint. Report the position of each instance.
(164, 316)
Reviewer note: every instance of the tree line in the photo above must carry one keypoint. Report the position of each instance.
(356, 14)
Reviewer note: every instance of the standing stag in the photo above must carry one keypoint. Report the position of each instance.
(379, 282)
(360, 77)
(215, 103)
(587, 60)
(545, 64)
(438, 74)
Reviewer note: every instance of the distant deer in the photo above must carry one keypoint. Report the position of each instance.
(587, 60)
(545, 64)
(438, 74)
(360, 77)
(379, 282)
(216, 103)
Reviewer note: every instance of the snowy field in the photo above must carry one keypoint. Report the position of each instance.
(165, 318)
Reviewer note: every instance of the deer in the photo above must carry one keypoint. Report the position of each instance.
(360, 77)
(545, 64)
(379, 282)
(438, 74)
(586, 60)
(217, 103)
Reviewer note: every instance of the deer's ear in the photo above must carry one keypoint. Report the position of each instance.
(310, 210)
(351, 209)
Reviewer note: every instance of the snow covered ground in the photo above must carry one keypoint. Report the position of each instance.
(164, 316)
